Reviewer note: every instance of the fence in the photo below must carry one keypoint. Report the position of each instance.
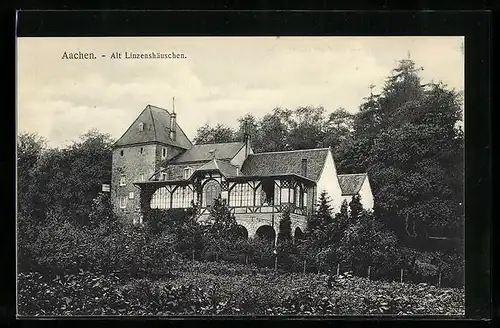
(293, 263)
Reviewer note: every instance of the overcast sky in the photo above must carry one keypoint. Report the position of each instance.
(220, 80)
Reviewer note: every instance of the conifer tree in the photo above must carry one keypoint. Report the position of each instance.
(285, 229)
(341, 223)
(356, 207)
(221, 229)
(324, 211)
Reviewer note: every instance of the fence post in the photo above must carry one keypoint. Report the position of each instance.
(193, 254)
(319, 267)
(304, 268)
(369, 270)
(439, 279)
(401, 275)
(246, 259)
(338, 269)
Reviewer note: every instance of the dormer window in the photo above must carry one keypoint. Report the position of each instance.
(141, 126)
(164, 176)
(122, 180)
(187, 172)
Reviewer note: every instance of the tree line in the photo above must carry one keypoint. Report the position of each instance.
(408, 139)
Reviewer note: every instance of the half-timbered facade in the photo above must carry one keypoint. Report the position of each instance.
(156, 166)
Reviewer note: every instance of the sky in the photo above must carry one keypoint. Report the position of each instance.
(218, 81)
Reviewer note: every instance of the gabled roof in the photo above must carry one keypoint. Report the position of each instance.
(286, 162)
(227, 169)
(175, 172)
(156, 129)
(351, 183)
(202, 153)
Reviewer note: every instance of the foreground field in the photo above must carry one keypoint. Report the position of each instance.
(220, 289)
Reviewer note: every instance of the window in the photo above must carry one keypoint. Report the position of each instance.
(122, 180)
(141, 127)
(164, 153)
(187, 172)
(131, 195)
(298, 196)
(123, 202)
(142, 179)
(182, 197)
(164, 176)
(137, 220)
(241, 195)
(277, 198)
(142, 150)
(268, 192)
(121, 152)
(212, 191)
(285, 193)
(161, 199)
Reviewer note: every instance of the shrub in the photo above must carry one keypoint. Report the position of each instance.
(61, 247)
(221, 288)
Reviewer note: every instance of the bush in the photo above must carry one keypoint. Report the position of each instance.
(83, 293)
(221, 288)
(63, 248)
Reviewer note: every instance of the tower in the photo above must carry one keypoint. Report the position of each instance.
(148, 144)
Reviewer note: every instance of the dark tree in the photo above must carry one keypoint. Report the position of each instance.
(307, 128)
(408, 138)
(274, 129)
(221, 229)
(64, 183)
(340, 223)
(356, 208)
(210, 135)
(30, 149)
(285, 232)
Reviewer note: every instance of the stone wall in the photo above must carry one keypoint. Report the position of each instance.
(132, 164)
(253, 221)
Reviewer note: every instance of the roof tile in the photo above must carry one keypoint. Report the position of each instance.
(156, 129)
(203, 153)
(351, 183)
(286, 162)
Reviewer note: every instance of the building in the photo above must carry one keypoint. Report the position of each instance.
(356, 184)
(155, 160)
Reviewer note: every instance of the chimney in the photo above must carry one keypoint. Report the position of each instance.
(173, 129)
(246, 139)
(304, 167)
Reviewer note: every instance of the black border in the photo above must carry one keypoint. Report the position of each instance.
(475, 26)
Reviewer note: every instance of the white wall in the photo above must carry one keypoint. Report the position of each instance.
(239, 158)
(366, 195)
(328, 181)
